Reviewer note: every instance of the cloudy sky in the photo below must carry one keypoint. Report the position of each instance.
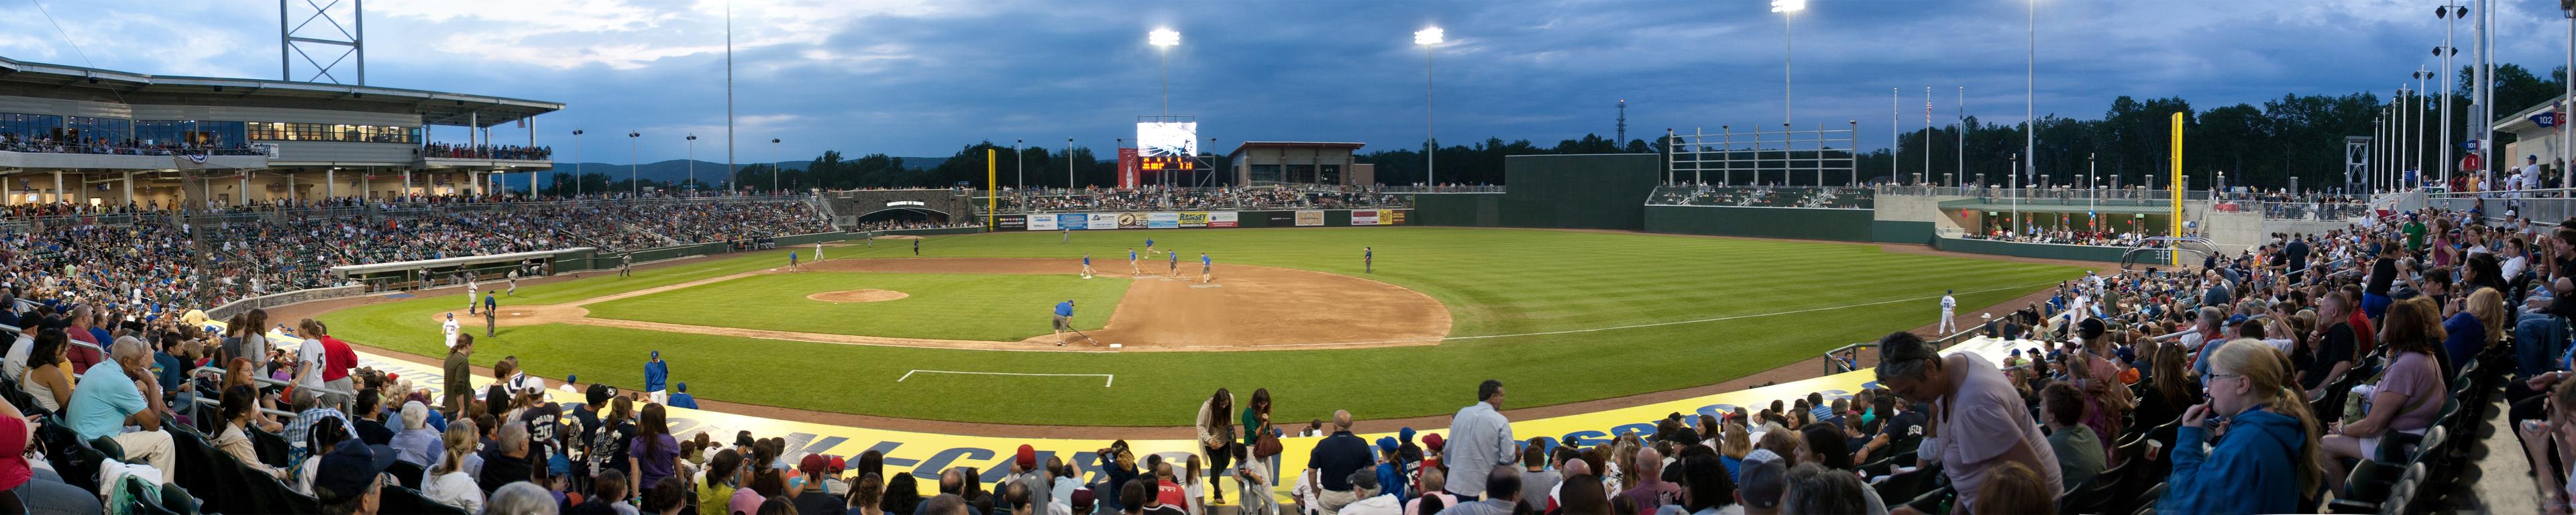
(924, 77)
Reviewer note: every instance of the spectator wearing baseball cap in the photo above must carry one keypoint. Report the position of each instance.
(1764, 482)
(1374, 499)
(656, 374)
(682, 399)
(813, 500)
(350, 477)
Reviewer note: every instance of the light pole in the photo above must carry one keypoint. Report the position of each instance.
(1429, 38)
(1068, 164)
(1021, 163)
(2030, 81)
(1788, 10)
(773, 166)
(2420, 75)
(1165, 39)
(692, 185)
(634, 165)
(576, 163)
(2450, 15)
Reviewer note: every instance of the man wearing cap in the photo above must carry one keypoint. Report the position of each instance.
(1374, 500)
(656, 373)
(1064, 317)
(1760, 491)
(1949, 312)
(812, 499)
(1480, 439)
(112, 397)
(1336, 457)
(683, 399)
(449, 329)
(348, 480)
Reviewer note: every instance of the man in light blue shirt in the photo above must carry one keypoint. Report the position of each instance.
(1479, 439)
(110, 398)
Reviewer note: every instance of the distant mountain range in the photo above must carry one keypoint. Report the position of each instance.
(678, 169)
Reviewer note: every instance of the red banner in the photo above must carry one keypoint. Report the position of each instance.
(1127, 168)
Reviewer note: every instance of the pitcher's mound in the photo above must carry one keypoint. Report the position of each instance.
(858, 296)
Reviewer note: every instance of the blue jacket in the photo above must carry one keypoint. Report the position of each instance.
(683, 400)
(1390, 480)
(2254, 469)
(655, 374)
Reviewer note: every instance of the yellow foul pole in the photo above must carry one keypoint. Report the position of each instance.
(989, 179)
(2173, 224)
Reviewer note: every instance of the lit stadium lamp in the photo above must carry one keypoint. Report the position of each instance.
(1163, 38)
(1788, 6)
(1430, 36)
(1430, 136)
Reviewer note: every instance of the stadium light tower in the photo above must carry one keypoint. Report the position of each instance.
(1165, 39)
(1788, 10)
(691, 185)
(2030, 102)
(1068, 164)
(1429, 38)
(773, 166)
(1020, 161)
(634, 165)
(576, 163)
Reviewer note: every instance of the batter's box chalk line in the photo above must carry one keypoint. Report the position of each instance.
(1107, 380)
(1208, 285)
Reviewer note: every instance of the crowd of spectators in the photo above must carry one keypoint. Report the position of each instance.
(451, 151)
(1155, 198)
(1764, 196)
(2066, 236)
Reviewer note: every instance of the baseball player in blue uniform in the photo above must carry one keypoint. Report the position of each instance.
(791, 260)
(1204, 265)
(1131, 262)
(1063, 320)
(1086, 265)
(1149, 246)
(1176, 264)
(1368, 260)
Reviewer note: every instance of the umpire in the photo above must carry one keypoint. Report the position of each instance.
(1063, 320)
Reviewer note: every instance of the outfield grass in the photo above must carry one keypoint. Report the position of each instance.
(1766, 304)
(944, 306)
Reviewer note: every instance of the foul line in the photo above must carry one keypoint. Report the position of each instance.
(1110, 379)
(1659, 324)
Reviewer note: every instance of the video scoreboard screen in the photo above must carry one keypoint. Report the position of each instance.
(1167, 139)
(1166, 163)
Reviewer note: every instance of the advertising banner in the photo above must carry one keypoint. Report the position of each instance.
(1390, 217)
(1131, 220)
(1104, 221)
(1074, 221)
(1364, 217)
(1310, 218)
(1220, 219)
(1042, 222)
(1127, 166)
(1281, 218)
(1194, 219)
(1010, 222)
(1162, 220)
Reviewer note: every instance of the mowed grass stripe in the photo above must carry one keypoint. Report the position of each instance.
(993, 307)
(1495, 282)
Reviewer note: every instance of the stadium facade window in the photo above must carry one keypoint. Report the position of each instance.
(1265, 173)
(1331, 174)
(30, 126)
(190, 132)
(86, 128)
(292, 131)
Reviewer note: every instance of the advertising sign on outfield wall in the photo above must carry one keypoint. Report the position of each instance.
(1162, 220)
(1075, 221)
(1042, 222)
(1104, 220)
(1281, 218)
(1310, 218)
(1131, 220)
(1217, 219)
(1194, 219)
(1390, 217)
(1010, 222)
(1364, 217)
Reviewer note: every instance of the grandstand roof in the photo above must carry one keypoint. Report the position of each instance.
(1238, 149)
(437, 108)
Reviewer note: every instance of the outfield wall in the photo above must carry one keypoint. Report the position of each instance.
(1202, 219)
(1760, 222)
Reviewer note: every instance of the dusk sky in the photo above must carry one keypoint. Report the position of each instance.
(925, 77)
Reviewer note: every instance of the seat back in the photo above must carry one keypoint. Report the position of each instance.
(71, 457)
(407, 472)
(271, 447)
(400, 499)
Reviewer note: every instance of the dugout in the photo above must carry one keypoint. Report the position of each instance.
(1578, 191)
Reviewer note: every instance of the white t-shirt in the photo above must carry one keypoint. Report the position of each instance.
(16, 362)
(309, 353)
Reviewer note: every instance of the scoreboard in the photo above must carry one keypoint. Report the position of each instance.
(1166, 163)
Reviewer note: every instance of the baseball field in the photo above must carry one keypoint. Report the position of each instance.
(961, 333)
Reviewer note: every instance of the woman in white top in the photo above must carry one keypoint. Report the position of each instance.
(15, 364)
(448, 483)
(47, 381)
